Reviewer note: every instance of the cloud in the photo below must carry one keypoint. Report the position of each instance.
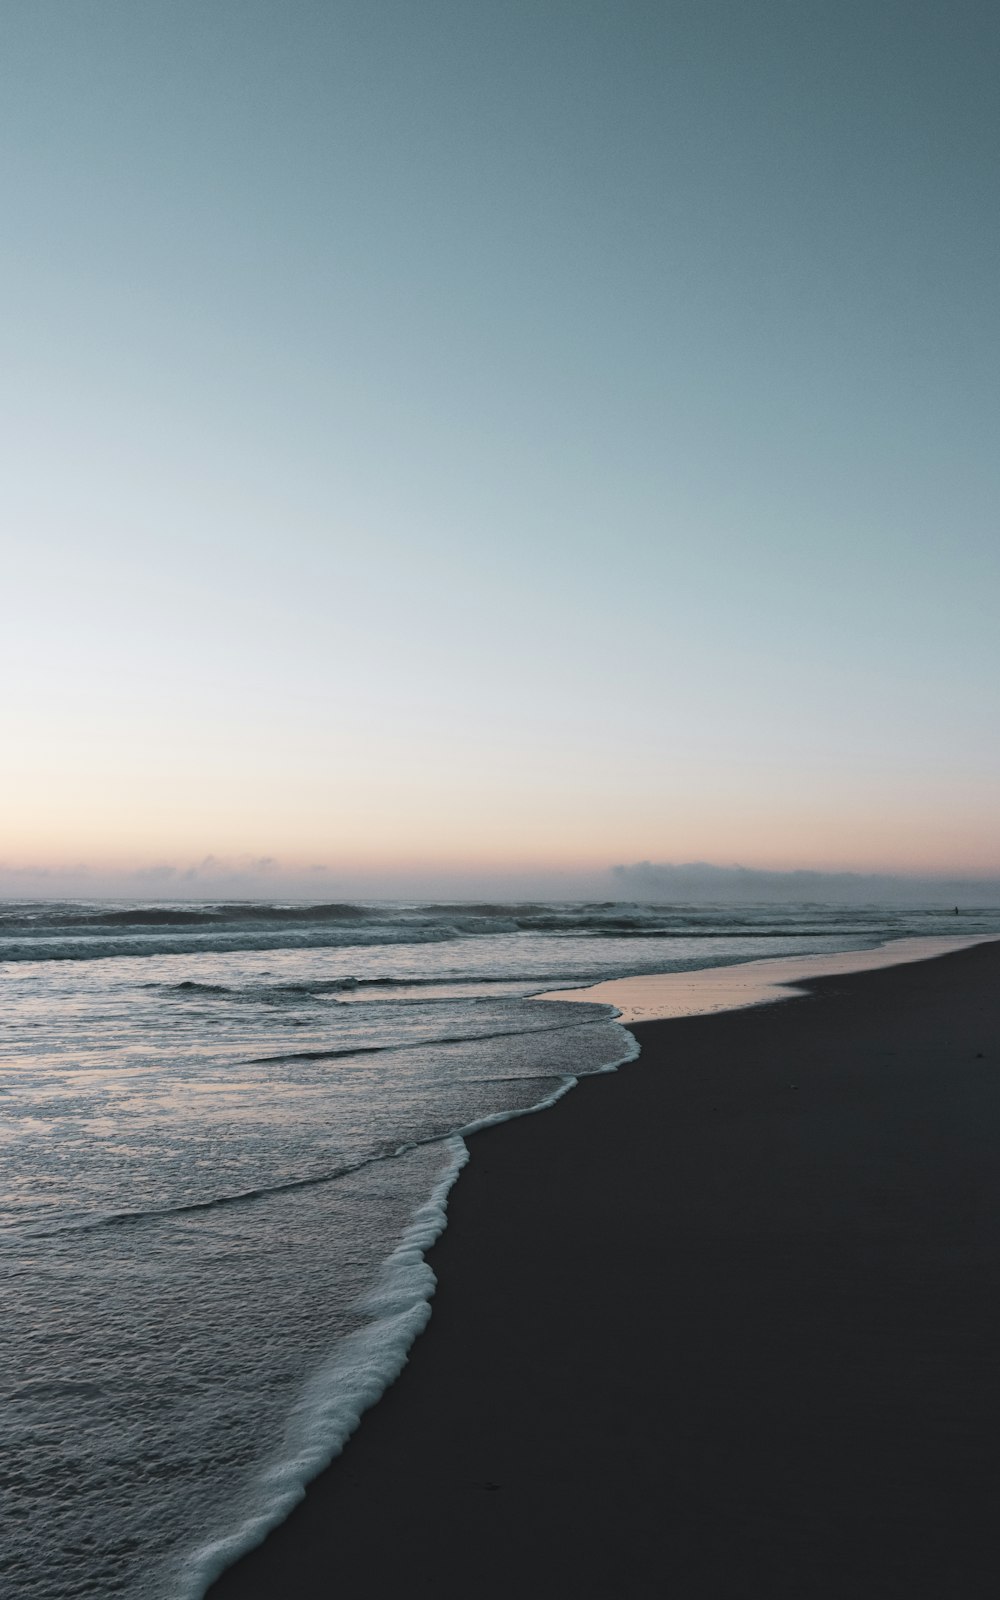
(695, 881)
(239, 877)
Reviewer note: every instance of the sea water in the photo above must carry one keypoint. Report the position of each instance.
(227, 1136)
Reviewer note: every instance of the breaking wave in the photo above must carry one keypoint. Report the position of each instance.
(88, 931)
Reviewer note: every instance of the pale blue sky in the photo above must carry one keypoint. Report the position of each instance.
(508, 434)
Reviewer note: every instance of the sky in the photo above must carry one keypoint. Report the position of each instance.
(496, 443)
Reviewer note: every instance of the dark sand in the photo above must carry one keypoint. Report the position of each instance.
(725, 1324)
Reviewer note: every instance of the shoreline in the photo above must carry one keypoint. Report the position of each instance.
(660, 996)
(542, 1437)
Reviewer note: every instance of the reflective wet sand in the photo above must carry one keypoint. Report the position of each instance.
(652, 997)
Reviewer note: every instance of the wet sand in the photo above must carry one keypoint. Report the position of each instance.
(721, 1325)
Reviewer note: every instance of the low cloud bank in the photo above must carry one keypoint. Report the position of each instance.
(698, 881)
(212, 875)
(269, 878)
(686, 883)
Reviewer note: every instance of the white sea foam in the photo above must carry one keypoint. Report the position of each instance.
(334, 1401)
(366, 1363)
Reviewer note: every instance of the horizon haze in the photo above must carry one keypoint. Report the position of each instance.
(694, 883)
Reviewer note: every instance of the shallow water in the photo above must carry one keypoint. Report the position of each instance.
(226, 1135)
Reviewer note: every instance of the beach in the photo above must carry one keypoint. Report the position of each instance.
(721, 1324)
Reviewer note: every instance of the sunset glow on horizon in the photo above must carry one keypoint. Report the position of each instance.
(423, 471)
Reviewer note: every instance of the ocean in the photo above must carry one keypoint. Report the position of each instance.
(228, 1134)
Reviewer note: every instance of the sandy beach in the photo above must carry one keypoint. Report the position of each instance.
(720, 1326)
